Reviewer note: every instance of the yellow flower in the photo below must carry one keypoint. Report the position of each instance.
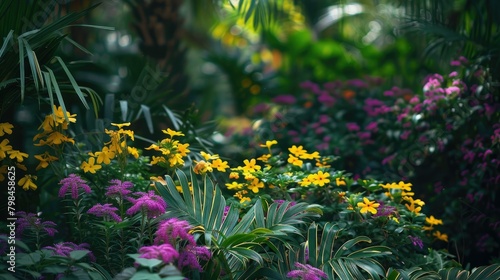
(172, 133)
(433, 221)
(305, 182)
(314, 155)
(264, 158)
(105, 156)
(120, 125)
(250, 165)
(441, 236)
(400, 186)
(294, 160)
(156, 160)
(340, 182)
(18, 155)
(90, 166)
(183, 149)
(297, 151)
(220, 165)
(269, 144)
(133, 151)
(202, 167)
(320, 178)
(4, 147)
(234, 175)
(256, 185)
(27, 182)
(415, 205)
(234, 186)
(5, 128)
(44, 159)
(368, 206)
(59, 114)
(244, 199)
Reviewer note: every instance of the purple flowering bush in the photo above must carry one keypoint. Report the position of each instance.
(443, 137)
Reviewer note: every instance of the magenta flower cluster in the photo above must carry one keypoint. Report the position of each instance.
(306, 272)
(107, 211)
(65, 248)
(173, 233)
(73, 183)
(150, 203)
(31, 221)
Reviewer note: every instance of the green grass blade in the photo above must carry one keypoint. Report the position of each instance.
(76, 87)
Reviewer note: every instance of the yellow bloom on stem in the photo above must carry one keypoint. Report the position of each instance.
(208, 156)
(183, 149)
(441, 236)
(18, 155)
(250, 165)
(172, 133)
(4, 147)
(433, 221)
(294, 160)
(120, 125)
(256, 185)
(220, 165)
(234, 186)
(234, 175)
(133, 151)
(90, 166)
(297, 151)
(202, 167)
(264, 158)
(305, 182)
(269, 144)
(105, 156)
(314, 155)
(44, 159)
(27, 182)
(340, 182)
(320, 178)
(245, 199)
(5, 128)
(368, 206)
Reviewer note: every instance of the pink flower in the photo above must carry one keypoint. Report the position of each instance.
(405, 134)
(149, 202)
(172, 229)
(119, 189)
(190, 255)
(107, 211)
(164, 252)
(326, 100)
(352, 126)
(73, 182)
(285, 99)
(32, 222)
(306, 272)
(65, 248)
(452, 90)
(388, 159)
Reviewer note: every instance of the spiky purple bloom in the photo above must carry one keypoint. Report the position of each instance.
(384, 210)
(226, 211)
(417, 242)
(152, 204)
(107, 211)
(65, 248)
(73, 182)
(32, 222)
(119, 189)
(164, 252)
(306, 272)
(190, 255)
(172, 229)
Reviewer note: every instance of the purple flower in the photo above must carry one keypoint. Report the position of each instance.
(226, 211)
(417, 242)
(119, 189)
(190, 255)
(152, 204)
(171, 229)
(405, 135)
(388, 159)
(384, 210)
(352, 126)
(73, 182)
(164, 252)
(285, 99)
(107, 211)
(372, 127)
(65, 248)
(326, 100)
(306, 272)
(32, 222)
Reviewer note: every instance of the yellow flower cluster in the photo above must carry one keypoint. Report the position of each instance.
(368, 206)
(403, 190)
(210, 163)
(117, 146)
(431, 222)
(172, 151)
(9, 156)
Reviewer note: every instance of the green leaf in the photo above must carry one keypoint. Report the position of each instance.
(78, 254)
(149, 263)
